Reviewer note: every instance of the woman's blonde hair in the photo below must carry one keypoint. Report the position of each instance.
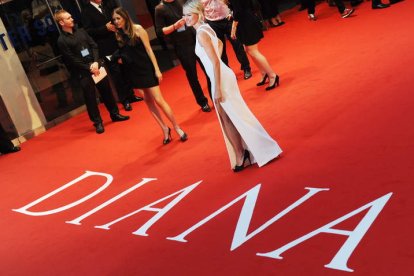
(128, 36)
(195, 6)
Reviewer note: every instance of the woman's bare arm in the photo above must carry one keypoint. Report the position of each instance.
(145, 40)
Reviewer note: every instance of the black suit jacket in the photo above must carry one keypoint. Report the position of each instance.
(94, 23)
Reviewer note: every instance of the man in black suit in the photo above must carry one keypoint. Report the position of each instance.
(96, 19)
(81, 55)
(169, 22)
(6, 146)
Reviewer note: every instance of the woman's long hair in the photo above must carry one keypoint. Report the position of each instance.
(128, 36)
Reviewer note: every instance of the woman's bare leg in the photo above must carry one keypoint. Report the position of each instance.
(165, 107)
(149, 100)
(232, 134)
(260, 60)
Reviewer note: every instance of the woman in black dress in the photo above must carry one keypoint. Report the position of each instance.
(141, 67)
(248, 29)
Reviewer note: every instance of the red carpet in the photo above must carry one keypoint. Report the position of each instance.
(343, 116)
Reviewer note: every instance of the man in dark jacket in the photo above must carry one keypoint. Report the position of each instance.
(169, 22)
(96, 19)
(81, 55)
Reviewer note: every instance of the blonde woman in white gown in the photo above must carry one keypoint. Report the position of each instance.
(246, 139)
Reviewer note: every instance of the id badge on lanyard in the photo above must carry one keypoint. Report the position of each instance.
(85, 52)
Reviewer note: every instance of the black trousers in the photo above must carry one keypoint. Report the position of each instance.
(376, 2)
(188, 58)
(89, 93)
(5, 143)
(122, 85)
(223, 29)
(310, 5)
(340, 5)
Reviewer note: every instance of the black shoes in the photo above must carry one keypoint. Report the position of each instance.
(247, 74)
(127, 106)
(246, 156)
(347, 12)
(134, 99)
(275, 83)
(127, 103)
(99, 128)
(118, 117)
(11, 150)
(206, 108)
(380, 6)
(168, 139)
(183, 137)
(271, 86)
(312, 17)
(263, 81)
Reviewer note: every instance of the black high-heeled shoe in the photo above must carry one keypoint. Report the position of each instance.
(276, 83)
(168, 139)
(263, 81)
(241, 167)
(184, 137)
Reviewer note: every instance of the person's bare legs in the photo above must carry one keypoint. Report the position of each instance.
(156, 95)
(261, 62)
(232, 134)
(150, 102)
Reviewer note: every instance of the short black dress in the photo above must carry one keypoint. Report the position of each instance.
(137, 65)
(249, 30)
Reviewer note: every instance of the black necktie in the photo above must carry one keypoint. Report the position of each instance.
(102, 10)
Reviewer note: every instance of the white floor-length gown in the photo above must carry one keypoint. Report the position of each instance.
(255, 138)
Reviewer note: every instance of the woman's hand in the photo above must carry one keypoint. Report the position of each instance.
(179, 24)
(158, 75)
(110, 27)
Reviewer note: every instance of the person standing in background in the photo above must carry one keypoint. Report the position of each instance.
(80, 54)
(219, 17)
(169, 22)
(136, 55)
(96, 20)
(247, 27)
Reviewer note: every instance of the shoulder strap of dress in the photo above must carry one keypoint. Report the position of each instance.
(207, 29)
